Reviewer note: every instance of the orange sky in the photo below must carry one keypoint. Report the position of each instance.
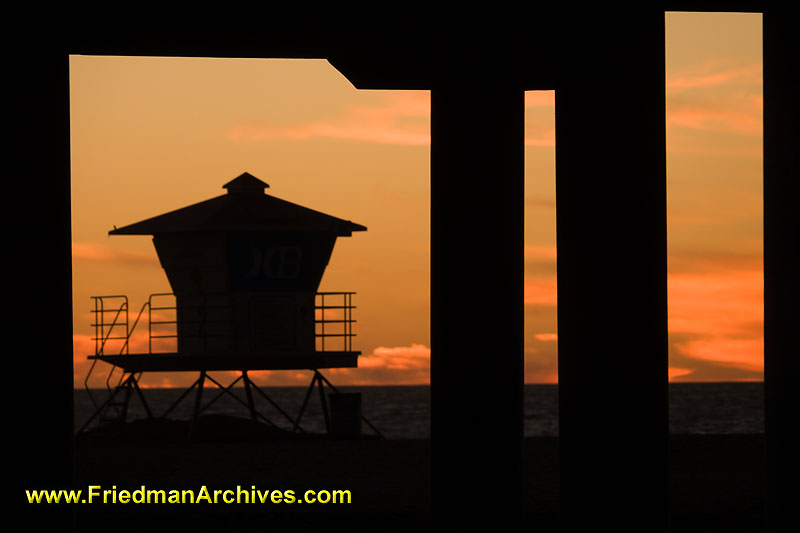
(153, 134)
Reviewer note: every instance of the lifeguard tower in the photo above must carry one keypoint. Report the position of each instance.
(244, 268)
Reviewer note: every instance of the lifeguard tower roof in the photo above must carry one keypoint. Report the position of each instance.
(245, 268)
(246, 207)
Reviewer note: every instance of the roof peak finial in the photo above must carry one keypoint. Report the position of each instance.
(246, 183)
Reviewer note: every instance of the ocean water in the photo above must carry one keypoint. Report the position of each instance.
(403, 412)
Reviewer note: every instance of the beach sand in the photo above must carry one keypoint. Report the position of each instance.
(716, 481)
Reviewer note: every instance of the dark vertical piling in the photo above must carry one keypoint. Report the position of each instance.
(477, 215)
(781, 262)
(612, 277)
(40, 275)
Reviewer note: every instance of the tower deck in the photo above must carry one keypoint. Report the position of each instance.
(174, 362)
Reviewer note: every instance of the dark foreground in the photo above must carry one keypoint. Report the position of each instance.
(716, 481)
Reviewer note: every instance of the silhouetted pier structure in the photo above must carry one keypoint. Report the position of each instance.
(480, 63)
(244, 268)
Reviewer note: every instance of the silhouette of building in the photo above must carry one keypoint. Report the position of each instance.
(244, 268)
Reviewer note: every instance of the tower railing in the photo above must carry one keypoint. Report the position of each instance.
(333, 319)
(103, 330)
(151, 322)
(342, 320)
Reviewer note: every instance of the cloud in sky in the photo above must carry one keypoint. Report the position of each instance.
(540, 252)
(716, 369)
(541, 291)
(717, 318)
(89, 251)
(400, 118)
(713, 261)
(746, 354)
(715, 74)
(747, 122)
(675, 373)
(400, 365)
(537, 202)
(541, 137)
(717, 97)
(727, 302)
